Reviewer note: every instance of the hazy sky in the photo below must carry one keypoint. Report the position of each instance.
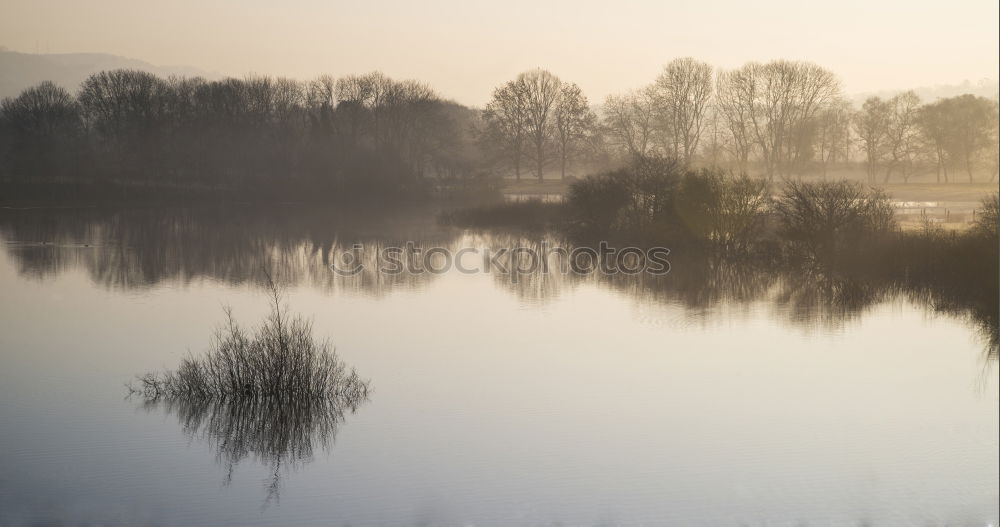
(463, 48)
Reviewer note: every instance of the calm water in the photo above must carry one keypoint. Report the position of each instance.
(712, 396)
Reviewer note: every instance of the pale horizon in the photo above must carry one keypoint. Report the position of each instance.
(465, 50)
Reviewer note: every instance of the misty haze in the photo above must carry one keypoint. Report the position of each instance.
(516, 264)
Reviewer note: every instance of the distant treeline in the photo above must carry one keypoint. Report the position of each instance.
(356, 133)
(781, 118)
(367, 133)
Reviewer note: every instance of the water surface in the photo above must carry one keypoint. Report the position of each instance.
(712, 396)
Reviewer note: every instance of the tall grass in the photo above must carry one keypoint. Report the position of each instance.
(277, 360)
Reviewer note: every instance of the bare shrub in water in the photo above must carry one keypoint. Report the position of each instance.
(665, 200)
(279, 359)
(725, 209)
(818, 218)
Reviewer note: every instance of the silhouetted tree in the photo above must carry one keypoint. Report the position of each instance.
(506, 121)
(833, 134)
(903, 139)
(735, 94)
(573, 121)
(43, 126)
(629, 121)
(542, 90)
(973, 121)
(870, 124)
(775, 102)
(682, 92)
(961, 130)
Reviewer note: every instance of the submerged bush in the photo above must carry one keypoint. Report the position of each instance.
(636, 200)
(727, 210)
(818, 218)
(279, 359)
(596, 200)
(661, 199)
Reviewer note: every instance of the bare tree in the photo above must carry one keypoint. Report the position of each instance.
(736, 93)
(902, 135)
(870, 124)
(381, 91)
(974, 119)
(683, 91)
(961, 130)
(44, 122)
(833, 135)
(413, 110)
(542, 90)
(353, 94)
(40, 111)
(506, 121)
(123, 103)
(321, 92)
(629, 121)
(128, 110)
(715, 141)
(573, 120)
(934, 124)
(775, 102)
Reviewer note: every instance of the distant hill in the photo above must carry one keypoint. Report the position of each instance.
(984, 88)
(21, 70)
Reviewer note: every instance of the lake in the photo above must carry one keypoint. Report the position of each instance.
(712, 395)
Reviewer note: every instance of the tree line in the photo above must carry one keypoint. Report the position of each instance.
(358, 131)
(372, 132)
(776, 119)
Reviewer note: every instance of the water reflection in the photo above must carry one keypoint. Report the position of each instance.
(139, 248)
(280, 434)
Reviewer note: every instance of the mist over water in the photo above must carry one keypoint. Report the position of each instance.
(716, 394)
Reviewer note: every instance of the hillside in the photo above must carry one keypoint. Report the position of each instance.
(21, 70)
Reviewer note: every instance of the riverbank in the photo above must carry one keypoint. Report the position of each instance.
(949, 206)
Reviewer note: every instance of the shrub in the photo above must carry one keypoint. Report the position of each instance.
(818, 218)
(595, 201)
(636, 200)
(988, 221)
(280, 359)
(659, 197)
(729, 211)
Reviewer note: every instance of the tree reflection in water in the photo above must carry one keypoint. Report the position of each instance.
(139, 248)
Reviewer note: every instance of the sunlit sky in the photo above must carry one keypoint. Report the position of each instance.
(463, 48)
